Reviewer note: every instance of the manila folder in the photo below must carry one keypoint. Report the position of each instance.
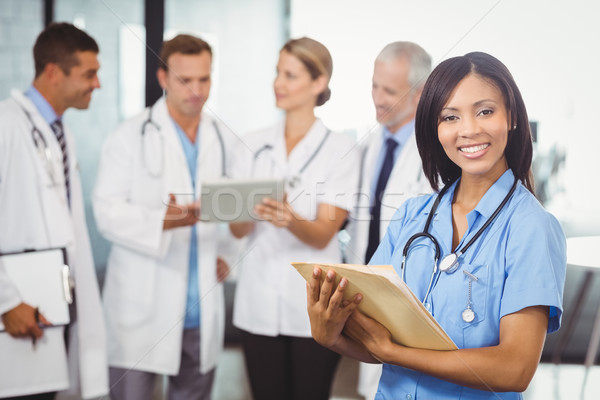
(388, 300)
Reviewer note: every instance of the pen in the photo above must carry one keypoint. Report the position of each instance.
(37, 322)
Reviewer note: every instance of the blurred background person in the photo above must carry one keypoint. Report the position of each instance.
(320, 169)
(391, 168)
(162, 295)
(41, 207)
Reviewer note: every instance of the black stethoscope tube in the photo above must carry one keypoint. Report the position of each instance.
(450, 263)
(149, 121)
(296, 178)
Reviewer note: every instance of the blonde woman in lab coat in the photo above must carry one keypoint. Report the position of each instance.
(320, 168)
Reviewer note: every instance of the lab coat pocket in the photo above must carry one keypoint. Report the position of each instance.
(473, 290)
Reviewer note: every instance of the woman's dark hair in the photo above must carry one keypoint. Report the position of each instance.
(436, 93)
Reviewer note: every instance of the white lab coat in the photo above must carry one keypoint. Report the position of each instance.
(406, 180)
(270, 295)
(35, 215)
(146, 280)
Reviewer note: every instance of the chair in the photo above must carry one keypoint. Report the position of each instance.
(582, 252)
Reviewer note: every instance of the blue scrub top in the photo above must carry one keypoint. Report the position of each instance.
(192, 306)
(520, 261)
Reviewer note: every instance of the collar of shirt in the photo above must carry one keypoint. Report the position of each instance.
(42, 105)
(486, 207)
(290, 164)
(306, 147)
(493, 197)
(400, 136)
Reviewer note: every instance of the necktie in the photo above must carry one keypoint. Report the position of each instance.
(384, 175)
(59, 132)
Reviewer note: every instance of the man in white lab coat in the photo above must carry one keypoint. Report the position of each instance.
(163, 296)
(391, 168)
(41, 207)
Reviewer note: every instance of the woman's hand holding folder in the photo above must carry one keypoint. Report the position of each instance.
(329, 313)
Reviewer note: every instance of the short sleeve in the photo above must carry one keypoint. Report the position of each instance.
(535, 266)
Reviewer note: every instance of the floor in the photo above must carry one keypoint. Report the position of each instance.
(551, 382)
(231, 382)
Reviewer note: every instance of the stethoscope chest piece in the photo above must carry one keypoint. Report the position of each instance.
(449, 263)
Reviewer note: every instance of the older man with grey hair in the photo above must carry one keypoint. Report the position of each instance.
(391, 169)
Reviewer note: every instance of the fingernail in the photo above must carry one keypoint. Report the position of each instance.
(343, 283)
(316, 272)
(330, 274)
(358, 298)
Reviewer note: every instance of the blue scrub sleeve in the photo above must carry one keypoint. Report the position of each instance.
(535, 266)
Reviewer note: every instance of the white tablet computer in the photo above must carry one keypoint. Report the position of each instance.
(230, 200)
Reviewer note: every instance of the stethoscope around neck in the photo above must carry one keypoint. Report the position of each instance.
(296, 179)
(42, 147)
(157, 128)
(450, 263)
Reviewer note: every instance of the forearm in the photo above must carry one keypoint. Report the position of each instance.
(316, 234)
(241, 229)
(349, 348)
(508, 366)
(489, 368)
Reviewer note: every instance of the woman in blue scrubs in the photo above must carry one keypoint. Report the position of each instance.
(505, 293)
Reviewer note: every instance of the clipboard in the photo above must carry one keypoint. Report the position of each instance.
(42, 280)
(231, 200)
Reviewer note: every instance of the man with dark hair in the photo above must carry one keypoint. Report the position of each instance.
(163, 298)
(59, 45)
(41, 207)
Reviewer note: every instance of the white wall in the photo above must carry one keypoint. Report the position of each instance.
(248, 35)
(20, 23)
(551, 47)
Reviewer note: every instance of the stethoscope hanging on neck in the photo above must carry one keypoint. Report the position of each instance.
(157, 173)
(42, 147)
(296, 178)
(449, 264)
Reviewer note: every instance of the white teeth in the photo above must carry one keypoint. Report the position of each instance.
(474, 149)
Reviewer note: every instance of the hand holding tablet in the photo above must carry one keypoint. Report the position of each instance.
(230, 200)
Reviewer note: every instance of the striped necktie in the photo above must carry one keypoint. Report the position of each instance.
(59, 132)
